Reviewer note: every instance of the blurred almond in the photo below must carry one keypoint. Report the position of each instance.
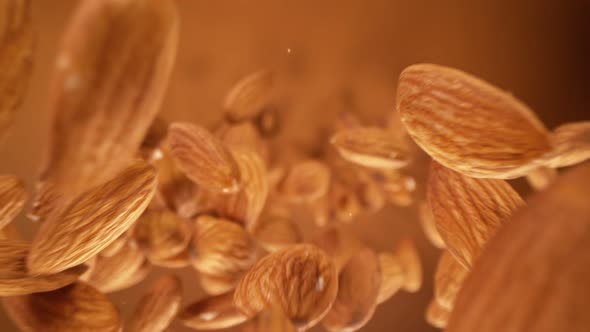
(448, 280)
(437, 315)
(161, 234)
(74, 308)
(398, 188)
(429, 226)
(407, 256)
(12, 198)
(344, 204)
(107, 88)
(115, 246)
(203, 158)
(250, 96)
(571, 144)
(300, 280)
(212, 313)
(338, 244)
(468, 211)
(178, 261)
(276, 232)
(217, 284)
(358, 288)
(269, 320)
(268, 122)
(370, 147)
(467, 124)
(92, 221)
(393, 276)
(306, 181)
(540, 178)
(16, 57)
(158, 307)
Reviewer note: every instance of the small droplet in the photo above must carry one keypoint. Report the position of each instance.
(319, 285)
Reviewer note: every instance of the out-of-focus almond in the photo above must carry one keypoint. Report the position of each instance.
(571, 144)
(16, 57)
(370, 147)
(358, 288)
(107, 88)
(338, 244)
(345, 205)
(161, 234)
(448, 280)
(203, 158)
(306, 181)
(212, 313)
(469, 125)
(92, 221)
(158, 307)
(178, 261)
(12, 198)
(250, 96)
(468, 211)
(244, 135)
(437, 315)
(401, 269)
(272, 319)
(218, 284)
(429, 226)
(300, 280)
(115, 246)
(398, 187)
(276, 232)
(74, 308)
(268, 122)
(540, 178)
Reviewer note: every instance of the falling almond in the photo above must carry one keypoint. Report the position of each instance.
(212, 313)
(275, 232)
(158, 307)
(448, 280)
(269, 320)
(161, 234)
(250, 96)
(306, 182)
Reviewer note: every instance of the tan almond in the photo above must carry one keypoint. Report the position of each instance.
(222, 247)
(250, 96)
(437, 315)
(571, 144)
(245, 136)
(468, 211)
(203, 158)
(92, 221)
(344, 204)
(398, 188)
(429, 225)
(107, 88)
(161, 234)
(448, 280)
(217, 284)
(400, 270)
(371, 195)
(276, 232)
(358, 287)
(212, 313)
(305, 181)
(469, 125)
(74, 308)
(370, 147)
(272, 319)
(16, 58)
(300, 280)
(393, 276)
(534, 275)
(158, 307)
(338, 244)
(12, 198)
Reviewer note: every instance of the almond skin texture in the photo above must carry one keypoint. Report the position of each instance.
(300, 280)
(469, 125)
(212, 313)
(203, 158)
(392, 276)
(448, 280)
(74, 308)
(158, 307)
(16, 57)
(92, 221)
(112, 70)
(534, 274)
(468, 211)
(161, 234)
(12, 198)
(250, 96)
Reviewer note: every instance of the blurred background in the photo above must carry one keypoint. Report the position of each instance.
(334, 55)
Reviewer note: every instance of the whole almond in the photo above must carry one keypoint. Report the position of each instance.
(161, 234)
(92, 221)
(468, 211)
(212, 313)
(12, 198)
(203, 158)
(183, 259)
(358, 287)
(244, 135)
(74, 308)
(448, 280)
(218, 284)
(250, 96)
(107, 88)
(306, 182)
(469, 125)
(407, 255)
(300, 280)
(158, 307)
(571, 144)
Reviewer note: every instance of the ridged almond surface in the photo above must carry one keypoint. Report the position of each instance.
(571, 144)
(12, 198)
(212, 313)
(534, 274)
(74, 308)
(16, 57)
(469, 125)
(468, 211)
(300, 280)
(306, 181)
(203, 158)
(407, 255)
(161, 234)
(92, 221)
(358, 287)
(448, 280)
(158, 307)
(250, 96)
(112, 70)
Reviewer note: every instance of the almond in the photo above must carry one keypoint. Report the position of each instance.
(540, 178)
(448, 280)
(92, 221)
(268, 122)
(467, 124)
(158, 307)
(115, 246)
(300, 280)
(244, 135)
(74, 308)
(305, 182)
(212, 313)
(269, 320)
(161, 234)
(276, 232)
(392, 276)
(217, 285)
(178, 261)
(12, 198)
(468, 211)
(429, 225)
(150, 148)
(250, 96)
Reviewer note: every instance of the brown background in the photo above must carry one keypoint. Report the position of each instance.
(539, 50)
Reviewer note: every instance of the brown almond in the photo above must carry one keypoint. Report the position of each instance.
(16, 58)
(306, 182)
(407, 255)
(358, 287)
(212, 313)
(468, 211)
(429, 225)
(276, 232)
(448, 280)
(203, 158)
(300, 280)
(269, 320)
(181, 260)
(437, 315)
(217, 284)
(245, 136)
(398, 188)
(469, 125)
(370, 147)
(107, 88)
(161, 234)
(158, 307)
(74, 308)
(571, 144)
(250, 96)
(92, 221)
(12, 198)
(393, 276)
